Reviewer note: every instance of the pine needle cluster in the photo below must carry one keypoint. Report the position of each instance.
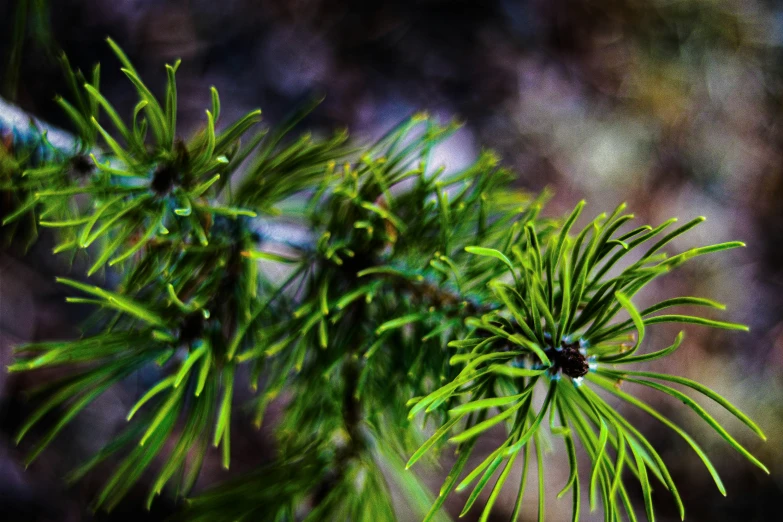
(397, 310)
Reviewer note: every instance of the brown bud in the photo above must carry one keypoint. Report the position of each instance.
(571, 361)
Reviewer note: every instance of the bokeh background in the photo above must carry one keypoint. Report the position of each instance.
(673, 106)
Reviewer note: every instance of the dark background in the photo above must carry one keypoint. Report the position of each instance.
(671, 106)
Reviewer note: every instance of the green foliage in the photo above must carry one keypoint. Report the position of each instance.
(555, 332)
(30, 22)
(345, 281)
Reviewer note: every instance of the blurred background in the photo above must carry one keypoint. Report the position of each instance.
(673, 106)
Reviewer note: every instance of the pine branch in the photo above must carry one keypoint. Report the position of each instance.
(408, 293)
